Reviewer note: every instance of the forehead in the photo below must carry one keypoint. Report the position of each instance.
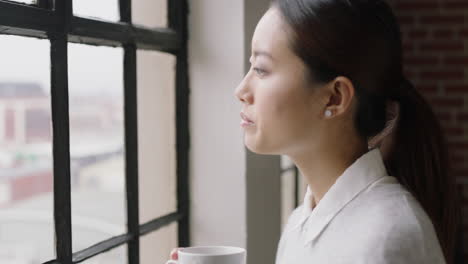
(270, 34)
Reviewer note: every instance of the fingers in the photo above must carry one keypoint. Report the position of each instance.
(173, 255)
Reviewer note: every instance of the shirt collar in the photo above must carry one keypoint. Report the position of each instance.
(357, 177)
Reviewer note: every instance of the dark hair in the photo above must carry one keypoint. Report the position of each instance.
(361, 39)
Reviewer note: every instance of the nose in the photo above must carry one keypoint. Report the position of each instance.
(243, 92)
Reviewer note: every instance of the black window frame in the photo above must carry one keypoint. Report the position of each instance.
(54, 20)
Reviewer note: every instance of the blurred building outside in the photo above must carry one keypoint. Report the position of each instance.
(26, 172)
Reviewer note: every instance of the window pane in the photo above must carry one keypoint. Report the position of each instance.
(150, 13)
(26, 174)
(26, 1)
(115, 256)
(101, 9)
(156, 246)
(96, 144)
(156, 134)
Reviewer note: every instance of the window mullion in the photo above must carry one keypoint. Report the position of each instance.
(177, 18)
(61, 134)
(131, 137)
(131, 151)
(125, 8)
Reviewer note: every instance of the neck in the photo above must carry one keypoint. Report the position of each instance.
(321, 169)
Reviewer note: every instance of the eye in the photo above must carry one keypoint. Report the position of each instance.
(259, 71)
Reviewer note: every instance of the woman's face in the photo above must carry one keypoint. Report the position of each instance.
(286, 109)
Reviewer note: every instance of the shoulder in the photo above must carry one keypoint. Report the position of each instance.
(393, 210)
(397, 226)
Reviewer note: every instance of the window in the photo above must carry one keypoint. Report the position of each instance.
(74, 128)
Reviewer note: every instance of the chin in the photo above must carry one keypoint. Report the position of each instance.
(252, 145)
(257, 150)
(259, 147)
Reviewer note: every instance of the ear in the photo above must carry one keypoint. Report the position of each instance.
(340, 94)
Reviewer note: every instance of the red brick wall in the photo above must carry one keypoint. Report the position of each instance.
(435, 39)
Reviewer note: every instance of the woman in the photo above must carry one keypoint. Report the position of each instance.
(326, 88)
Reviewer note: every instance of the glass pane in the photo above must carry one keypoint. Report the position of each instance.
(150, 13)
(26, 174)
(115, 256)
(155, 247)
(96, 144)
(156, 134)
(102, 9)
(26, 1)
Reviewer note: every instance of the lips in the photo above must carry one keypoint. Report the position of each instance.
(245, 118)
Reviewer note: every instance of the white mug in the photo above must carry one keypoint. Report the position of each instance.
(210, 255)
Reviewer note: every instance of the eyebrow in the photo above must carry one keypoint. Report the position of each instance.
(263, 53)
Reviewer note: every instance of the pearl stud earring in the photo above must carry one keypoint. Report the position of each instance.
(328, 113)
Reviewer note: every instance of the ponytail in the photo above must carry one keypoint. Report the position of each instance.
(418, 157)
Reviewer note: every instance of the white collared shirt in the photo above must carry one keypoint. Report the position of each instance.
(366, 217)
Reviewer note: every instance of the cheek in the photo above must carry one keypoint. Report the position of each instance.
(284, 120)
(288, 105)
(282, 110)
(272, 105)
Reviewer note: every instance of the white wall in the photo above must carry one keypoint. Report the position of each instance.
(217, 157)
